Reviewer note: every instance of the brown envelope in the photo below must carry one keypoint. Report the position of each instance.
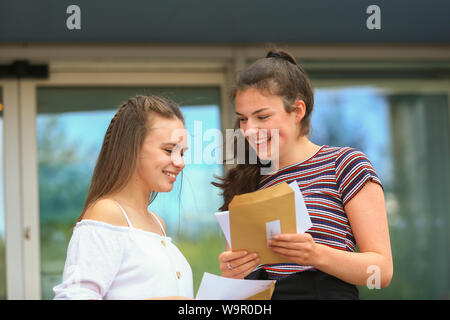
(263, 295)
(249, 214)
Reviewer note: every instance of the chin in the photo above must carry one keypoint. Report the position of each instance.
(164, 188)
(264, 155)
(167, 189)
(266, 158)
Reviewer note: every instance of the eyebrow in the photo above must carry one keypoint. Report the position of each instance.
(255, 112)
(171, 144)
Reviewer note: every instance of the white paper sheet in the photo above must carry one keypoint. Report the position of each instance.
(302, 218)
(301, 213)
(215, 287)
(223, 218)
(272, 229)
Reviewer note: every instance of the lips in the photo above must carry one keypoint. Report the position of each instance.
(172, 175)
(261, 141)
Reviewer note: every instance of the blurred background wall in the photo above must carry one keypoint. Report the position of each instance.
(64, 71)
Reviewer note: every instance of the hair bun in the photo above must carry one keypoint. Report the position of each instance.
(280, 54)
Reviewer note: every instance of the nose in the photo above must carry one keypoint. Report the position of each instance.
(250, 130)
(178, 161)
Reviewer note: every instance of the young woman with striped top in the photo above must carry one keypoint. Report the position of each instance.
(341, 190)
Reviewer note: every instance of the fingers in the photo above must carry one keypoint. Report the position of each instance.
(295, 237)
(277, 245)
(283, 244)
(240, 262)
(299, 248)
(285, 252)
(289, 244)
(231, 255)
(245, 269)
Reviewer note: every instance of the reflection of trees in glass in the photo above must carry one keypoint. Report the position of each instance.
(191, 214)
(357, 117)
(63, 182)
(332, 126)
(422, 173)
(413, 155)
(63, 177)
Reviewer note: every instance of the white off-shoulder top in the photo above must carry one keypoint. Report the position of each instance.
(113, 262)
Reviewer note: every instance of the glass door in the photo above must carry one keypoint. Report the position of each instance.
(405, 134)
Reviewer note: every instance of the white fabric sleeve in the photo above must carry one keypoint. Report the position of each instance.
(93, 259)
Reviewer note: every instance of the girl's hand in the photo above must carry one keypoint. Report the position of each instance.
(299, 248)
(237, 264)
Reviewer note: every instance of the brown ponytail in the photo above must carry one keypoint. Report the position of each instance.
(280, 75)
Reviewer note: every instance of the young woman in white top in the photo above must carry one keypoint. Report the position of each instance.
(118, 249)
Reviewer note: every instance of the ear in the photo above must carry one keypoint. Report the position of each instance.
(300, 110)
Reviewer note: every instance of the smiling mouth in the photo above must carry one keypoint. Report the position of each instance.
(261, 141)
(170, 174)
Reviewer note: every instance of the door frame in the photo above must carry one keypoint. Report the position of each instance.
(13, 189)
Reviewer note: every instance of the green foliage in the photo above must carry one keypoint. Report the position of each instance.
(63, 176)
(202, 255)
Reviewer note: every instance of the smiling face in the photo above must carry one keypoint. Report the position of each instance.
(260, 116)
(160, 158)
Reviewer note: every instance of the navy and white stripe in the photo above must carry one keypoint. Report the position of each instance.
(328, 181)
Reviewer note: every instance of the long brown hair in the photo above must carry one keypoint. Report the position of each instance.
(123, 141)
(279, 74)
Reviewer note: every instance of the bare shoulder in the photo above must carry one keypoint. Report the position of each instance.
(106, 210)
(160, 220)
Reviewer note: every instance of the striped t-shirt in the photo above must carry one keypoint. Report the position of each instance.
(327, 180)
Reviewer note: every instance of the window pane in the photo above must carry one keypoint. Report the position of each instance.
(2, 210)
(406, 137)
(71, 124)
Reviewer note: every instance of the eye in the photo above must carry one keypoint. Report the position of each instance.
(169, 151)
(263, 117)
(242, 119)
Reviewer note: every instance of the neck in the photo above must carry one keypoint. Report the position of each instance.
(302, 149)
(134, 195)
